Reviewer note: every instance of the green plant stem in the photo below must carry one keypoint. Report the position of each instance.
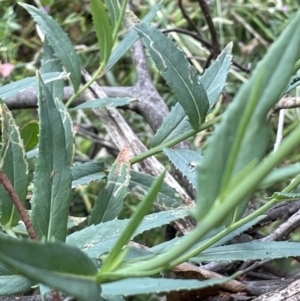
(119, 22)
(84, 87)
(157, 149)
(292, 185)
(220, 210)
(113, 276)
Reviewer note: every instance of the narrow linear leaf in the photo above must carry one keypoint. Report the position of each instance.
(98, 239)
(280, 174)
(84, 174)
(68, 130)
(86, 180)
(250, 251)
(274, 71)
(177, 72)
(82, 170)
(213, 80)
(52, 177)
(105, 102)
(113, 7)
(165, 246)
(59, 41)
(167, 197)
(142, 209)
(28, 82)
(50, 63)
(147, 285)
(173, 125)
(130, 39)
(185, 161)
(103, 29)
(14, 165)
(109, 202)
(55, 264)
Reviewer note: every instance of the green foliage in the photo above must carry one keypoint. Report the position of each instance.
(109, 202)
(103, 29)
(52, 177)
(178, 73)
(55, 264)
(224, 177)
(248, 251)
(105, 102)
(14, 165)
(264, 88)
(57, 37)
(29, 134)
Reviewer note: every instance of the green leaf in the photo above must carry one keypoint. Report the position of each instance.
(115, 256)
(59, 41)
(50, 63)
(105, 102)
(15, 167)
(185, 161)
(52, 177)
(28, 82)
(285, 195)
(99, 239)
(167, 197)
(113, 298)
(68, 130)
(29, 134)
(268, 82)
(86, 173)
(250, 251)
(109, 202)
(82, 170)
(147, 285)
(113, 7)
(174, 124)
(130, 39)
(165, 246)
(213, 80)
(280, 174)
(177, 72)
(103, 29)
(55, 264)
(13, 284)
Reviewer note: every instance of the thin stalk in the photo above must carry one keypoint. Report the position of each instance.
(157, 149)
(118, 24)
(113, 276)
(292, 185)
(84, 87)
